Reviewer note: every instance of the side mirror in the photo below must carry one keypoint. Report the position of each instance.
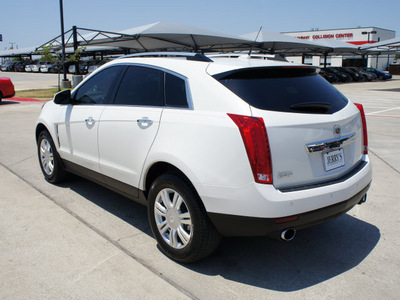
(63, 97)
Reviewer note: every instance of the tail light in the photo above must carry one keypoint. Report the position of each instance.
(364, 127)
(255, 139)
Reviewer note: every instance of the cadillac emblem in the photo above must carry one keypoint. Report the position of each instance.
(337, 131)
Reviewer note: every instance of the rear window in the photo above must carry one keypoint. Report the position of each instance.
(296, 90)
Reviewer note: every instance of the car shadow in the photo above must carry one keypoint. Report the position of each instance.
(6, 102)
(387, 90)
(125, 209)
(316, 254)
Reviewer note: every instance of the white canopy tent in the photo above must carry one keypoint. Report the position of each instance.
(392, 44)
(164, 36)
(18, 52)
(339, 47)
(275, 42)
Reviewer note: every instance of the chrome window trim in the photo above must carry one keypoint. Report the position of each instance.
(188, 92)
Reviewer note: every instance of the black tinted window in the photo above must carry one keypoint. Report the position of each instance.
(175, 91)
(299, 90)
(98, 88)
(141, 86)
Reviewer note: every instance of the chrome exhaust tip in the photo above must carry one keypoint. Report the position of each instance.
(363, 199)
(288, 234)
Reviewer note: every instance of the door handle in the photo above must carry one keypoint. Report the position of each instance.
(90, 121)
(144, 121)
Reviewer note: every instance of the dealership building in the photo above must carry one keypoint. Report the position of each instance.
(355, 36)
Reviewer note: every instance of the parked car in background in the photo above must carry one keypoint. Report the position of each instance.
(19, 66)
(6, 88)
(50, 67)
(221, 146)
(343, 77)
(98, 64)
(332, 78)
(66, 65)
(36, 67)
(8, 66)
(72, 68)
(355, 76)
(356, 73)
(367, 75)
(30, 65)
(83, 67)
(381, 75)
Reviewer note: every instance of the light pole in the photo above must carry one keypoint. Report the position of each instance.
(369, 35)
(65, 83)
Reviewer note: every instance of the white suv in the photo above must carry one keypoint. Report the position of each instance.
(214, 147)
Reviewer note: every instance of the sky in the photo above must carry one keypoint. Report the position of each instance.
(25, 23)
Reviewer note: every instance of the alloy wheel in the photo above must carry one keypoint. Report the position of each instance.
(47, 157)
(173, 218)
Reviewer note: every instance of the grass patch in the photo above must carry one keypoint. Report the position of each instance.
(37, 94)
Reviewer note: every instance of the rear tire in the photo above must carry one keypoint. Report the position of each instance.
(179, 221)
(49, 160)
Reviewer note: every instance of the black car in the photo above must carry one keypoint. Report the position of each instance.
(354, 75)
(20, 66)
(343, 77)
(17, 66)
(332, 78)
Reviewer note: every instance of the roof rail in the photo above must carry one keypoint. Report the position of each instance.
(275, 57)
(187, 55)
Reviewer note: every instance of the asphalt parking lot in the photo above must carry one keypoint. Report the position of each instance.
(79, 240)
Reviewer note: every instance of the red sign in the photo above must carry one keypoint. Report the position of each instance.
(326, 36)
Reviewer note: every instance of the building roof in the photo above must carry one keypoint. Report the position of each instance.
(332, 29)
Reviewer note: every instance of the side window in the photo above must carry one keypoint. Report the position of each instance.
(175, 91)
(141, 86)
(97, 88)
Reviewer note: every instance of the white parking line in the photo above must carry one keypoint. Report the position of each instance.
(384, 116)
(381, 111)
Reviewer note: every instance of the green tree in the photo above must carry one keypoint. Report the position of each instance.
(76, 57)
(47, 53)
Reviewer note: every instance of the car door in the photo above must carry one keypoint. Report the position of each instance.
(79, 122)
(129, 126)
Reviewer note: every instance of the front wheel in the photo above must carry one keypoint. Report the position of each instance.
(179, 221)
(49, 160)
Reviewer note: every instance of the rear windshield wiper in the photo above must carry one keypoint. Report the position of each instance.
(311, 107)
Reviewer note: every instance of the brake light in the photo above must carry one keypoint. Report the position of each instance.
(255, 139)
(364, 127)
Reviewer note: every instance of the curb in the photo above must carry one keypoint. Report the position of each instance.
(28, 99)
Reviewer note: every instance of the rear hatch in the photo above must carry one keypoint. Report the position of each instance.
(314, 132)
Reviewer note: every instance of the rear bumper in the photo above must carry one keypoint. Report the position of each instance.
(230, 225)
(266, 202)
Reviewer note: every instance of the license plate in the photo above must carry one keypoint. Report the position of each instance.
(333, 159)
